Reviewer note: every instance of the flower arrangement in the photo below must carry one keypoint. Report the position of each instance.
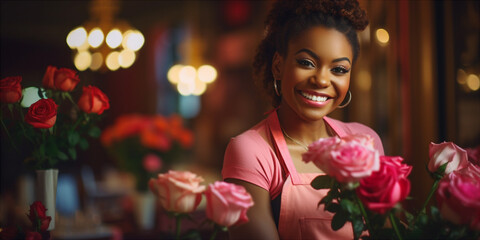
(144, 145)
(366, 190)
(54, 126)
(38, 229)
(180, 194)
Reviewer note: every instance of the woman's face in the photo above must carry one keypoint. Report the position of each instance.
(315, 73)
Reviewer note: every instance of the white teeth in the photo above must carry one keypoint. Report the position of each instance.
(313, 97)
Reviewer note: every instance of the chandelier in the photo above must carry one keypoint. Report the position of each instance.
(103, 42)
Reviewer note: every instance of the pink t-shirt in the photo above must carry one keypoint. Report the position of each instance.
(250, 158)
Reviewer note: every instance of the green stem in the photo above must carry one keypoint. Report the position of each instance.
(364, 213)
(395, 227)
(432, 191)
(79, 120)
(178, 219)
(214, 234)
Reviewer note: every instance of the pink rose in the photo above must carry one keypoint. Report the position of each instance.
(348, 159)
(227, 203)
(178, 192)
(447, 152)
(93, 100)
(42, 114)
(458, 197)
(152, 163)
(62, 79)
(10, 89)
(387, 186)
(474, 155)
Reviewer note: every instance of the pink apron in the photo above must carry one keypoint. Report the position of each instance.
(300, 218)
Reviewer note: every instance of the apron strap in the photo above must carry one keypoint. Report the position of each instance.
(281, 147)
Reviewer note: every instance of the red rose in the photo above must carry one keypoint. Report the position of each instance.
(10, 89)
(62, 79)
(33, 236)
(42, 114)
(38, 215)
(387, 186)
(93, 100)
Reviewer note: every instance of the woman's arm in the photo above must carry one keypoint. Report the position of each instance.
(261, 224)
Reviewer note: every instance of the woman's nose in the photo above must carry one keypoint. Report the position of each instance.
(321, 79)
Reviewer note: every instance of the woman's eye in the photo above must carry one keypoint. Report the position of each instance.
(305, 63)
(340, 70)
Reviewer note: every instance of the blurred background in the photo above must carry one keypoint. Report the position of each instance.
(416, 81)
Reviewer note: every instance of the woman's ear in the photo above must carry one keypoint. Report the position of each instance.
(277, 66)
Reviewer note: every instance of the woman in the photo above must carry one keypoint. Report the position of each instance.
(304, 63)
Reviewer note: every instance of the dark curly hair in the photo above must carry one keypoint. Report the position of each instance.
(288, 18)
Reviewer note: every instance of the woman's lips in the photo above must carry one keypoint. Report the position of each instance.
(315, 99)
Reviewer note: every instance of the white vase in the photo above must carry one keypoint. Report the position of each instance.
(144, 210)
(46, 192)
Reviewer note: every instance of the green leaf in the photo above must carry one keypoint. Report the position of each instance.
(332, 207)
(358, 226)
(73, 138)
(322, 182)
(339, 219)
(349, 206)
(62, 156)
(73, 153)
(94, 132)
(83, 143)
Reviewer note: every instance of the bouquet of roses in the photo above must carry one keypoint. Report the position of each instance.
(38, 229)
(366, 189)
(54, 125)
(144, 145)
(180, 193)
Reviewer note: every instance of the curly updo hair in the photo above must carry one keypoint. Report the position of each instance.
(288, 18)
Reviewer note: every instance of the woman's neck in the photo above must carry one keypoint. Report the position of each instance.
(300, 129)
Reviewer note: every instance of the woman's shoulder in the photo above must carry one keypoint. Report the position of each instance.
(253, 138)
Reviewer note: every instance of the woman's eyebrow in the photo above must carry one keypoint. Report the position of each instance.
(342, 59)
(311, 53)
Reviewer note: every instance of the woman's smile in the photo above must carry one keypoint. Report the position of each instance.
(314, 99)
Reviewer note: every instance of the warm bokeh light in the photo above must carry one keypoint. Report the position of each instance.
(97, 61)
(76, 37)
(126, 58)
(199, 88)
(187, 74)
(207, 73)
(112, 61)
(30, 96)
(82, 60)
(461, 76)
(173, 74)
(185, 88)
(133, 40)
(473, 82)
(382, 36)
(114, 38)
(95, 37)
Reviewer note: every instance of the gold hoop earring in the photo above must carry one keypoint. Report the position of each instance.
(348, 102)
(275, 87)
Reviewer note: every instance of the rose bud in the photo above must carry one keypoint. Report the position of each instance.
(178, 192)
(447, 152)
(93, 100)
(62, 79)
(10, 89)
(42, 114)
(227, 203)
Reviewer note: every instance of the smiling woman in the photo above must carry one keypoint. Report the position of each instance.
(304, 64)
